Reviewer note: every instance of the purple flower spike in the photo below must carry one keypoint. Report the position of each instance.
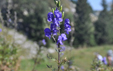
(47, 32)
(67, 26)
(58, 15)
(50, 17)
(0, 30)
(44, 42)
(63, 37)
(62, 49)
(104, 61)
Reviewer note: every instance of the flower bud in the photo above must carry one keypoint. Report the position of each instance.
(53, 10)
(61, 8)
(65, 59)
(62, 14)
(55, 1)
(58, 4)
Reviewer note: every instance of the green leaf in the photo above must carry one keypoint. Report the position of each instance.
(49, 56)
(49, 66)
(54, 59)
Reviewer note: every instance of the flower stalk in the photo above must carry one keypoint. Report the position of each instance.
(56, 18)
(58, 57)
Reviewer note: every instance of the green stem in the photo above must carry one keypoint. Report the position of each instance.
(58, 57)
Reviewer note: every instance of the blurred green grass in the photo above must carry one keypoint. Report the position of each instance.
(82, 58)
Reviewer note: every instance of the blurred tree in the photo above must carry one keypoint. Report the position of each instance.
(100, 25)
(32, 15)
(110, 25)
(2, 2)
(112, 5)
(83, 28)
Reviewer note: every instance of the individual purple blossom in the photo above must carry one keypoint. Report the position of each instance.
(67, 26)
(104, 61)
(47, 32)
(61, 38)
(50, 17)
(68, 29)
(62, 68)
(0, 30)
(44, 42)
(55, 32)
(53, 29)
(62, 49)
(56, 22)
(67, 21)
(53, 26)
(58, 15)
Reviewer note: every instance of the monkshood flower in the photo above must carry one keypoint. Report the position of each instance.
(44, 42)
(62, 68)
(56, 22)
(58, 15)
(53, 29)
(67, 26)
(47, 32)
(0, 30)
(67, 21)
(62, 49)
(50, 17)
(104, 61)
(61, 38)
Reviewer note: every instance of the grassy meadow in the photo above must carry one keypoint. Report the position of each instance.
(82, 58)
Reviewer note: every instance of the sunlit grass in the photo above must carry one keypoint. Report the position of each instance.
(82, 58)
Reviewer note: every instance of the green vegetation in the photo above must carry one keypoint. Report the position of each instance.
(8, 51)
(30, 18)
(82, 58)
(84, 29)
(101, 32)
